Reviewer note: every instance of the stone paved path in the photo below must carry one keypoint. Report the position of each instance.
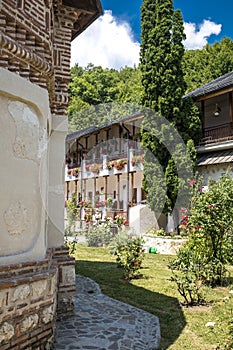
(104, 323)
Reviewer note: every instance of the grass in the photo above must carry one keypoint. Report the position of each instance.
(181, 327)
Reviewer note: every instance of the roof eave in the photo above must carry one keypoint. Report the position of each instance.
(86, 18)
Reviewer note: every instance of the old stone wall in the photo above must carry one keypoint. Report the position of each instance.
(28, 294)
(163, 245)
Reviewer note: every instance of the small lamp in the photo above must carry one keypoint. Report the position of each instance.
(217, 110)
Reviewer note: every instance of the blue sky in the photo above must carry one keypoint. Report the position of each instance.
(194, 11)
(113, 40)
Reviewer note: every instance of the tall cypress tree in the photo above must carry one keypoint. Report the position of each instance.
(163, 83)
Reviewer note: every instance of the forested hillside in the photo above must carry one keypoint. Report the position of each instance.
(100, 95)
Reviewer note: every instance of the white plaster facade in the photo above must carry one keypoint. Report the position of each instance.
(33, 146)
(24, 117)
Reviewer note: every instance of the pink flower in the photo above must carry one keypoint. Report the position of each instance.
(192, 182)
(183, 210)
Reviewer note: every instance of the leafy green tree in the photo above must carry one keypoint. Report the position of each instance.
(100, 95)
(163, 88)
(130, 87)
(203, 65)
(93, 85)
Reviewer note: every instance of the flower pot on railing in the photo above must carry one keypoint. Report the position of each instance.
(75, 172)
(95, 168)
(120, 164)
(109, 165)
(137, 160)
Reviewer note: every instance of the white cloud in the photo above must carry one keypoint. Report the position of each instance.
(108, 43)
(197, 36)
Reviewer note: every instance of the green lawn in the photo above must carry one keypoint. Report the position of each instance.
(181, 327)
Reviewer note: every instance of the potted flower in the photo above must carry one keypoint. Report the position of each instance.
(88, 217)
(119, 219)
(76, 172)
(109, 202)
(95, 168)
(119, 164)
(136, 160)
(110, 165)
(84, 204)
(100, 204)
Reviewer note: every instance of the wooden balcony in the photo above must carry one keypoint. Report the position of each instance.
(217, 134)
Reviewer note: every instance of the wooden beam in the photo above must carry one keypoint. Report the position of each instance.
(106, 187)
(76, 189)
(230, 107)
(132, 185)
(84, 5)
(203, 114)
(67, 190)
(213, 94)
(118, 191)
(93, 200)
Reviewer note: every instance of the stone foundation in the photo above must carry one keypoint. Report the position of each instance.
(29, 293)
(66, 282)
(163, 245)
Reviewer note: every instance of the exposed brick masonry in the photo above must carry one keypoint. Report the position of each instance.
(44, 29)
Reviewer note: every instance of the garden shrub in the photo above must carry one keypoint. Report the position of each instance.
(209, 225)
(72, 245)
(129, 256)
(72, 212)
(100, 234)
(188, 271)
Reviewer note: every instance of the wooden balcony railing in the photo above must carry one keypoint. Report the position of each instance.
(217, 134)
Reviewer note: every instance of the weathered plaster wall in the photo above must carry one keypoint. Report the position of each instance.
(56, 189)
(142, 219)
(24, 115)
